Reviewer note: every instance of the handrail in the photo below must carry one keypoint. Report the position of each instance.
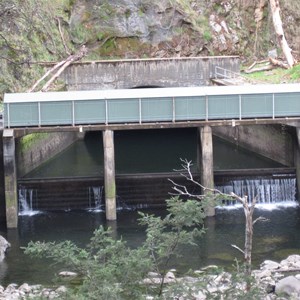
(173, 105)
(221, 73)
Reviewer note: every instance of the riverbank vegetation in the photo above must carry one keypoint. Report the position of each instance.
(109, 269)
(277, 75)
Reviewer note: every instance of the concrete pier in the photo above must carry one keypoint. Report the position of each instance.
(206, 163)
(109, 175)
(10, 179)
(297, 158)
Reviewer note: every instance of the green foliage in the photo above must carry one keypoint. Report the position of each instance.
(28, 140)
(207, 35)
(29, 32)
(110, 269)
(163, 236)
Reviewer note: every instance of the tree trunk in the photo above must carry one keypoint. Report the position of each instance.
(248, 236)
(275, 9)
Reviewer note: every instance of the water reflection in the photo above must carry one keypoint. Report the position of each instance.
(145, 151)
(272, 240)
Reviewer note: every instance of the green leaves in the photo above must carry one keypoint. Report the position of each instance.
(110, 269)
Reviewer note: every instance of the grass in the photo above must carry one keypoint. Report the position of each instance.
(278, 75)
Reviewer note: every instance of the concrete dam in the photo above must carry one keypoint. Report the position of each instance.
(190, 122)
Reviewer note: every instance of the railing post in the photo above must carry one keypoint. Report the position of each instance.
(174, 110)
(240, 106)
(140, 110)
(8, 115)
(206, 107)
(39, 111)
(273, 106)
(106, 112)
(73, 113)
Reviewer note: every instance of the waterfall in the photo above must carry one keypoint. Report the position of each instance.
(26, 201)
(95, 198)
(267, 191)
(96, 201)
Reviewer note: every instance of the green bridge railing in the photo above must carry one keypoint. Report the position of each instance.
(151, 105)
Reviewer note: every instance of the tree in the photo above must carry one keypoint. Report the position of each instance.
(111, 270)
(275, 10)
(215, 195)
(31, 31)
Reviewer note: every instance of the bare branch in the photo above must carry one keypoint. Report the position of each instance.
(62, 36)
(187, 174)
(238, 248)
(260, 219)
(182, 190)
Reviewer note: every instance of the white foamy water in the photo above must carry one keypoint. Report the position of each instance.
(270, 194)
(262, 206)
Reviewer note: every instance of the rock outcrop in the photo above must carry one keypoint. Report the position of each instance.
(180, 28)
(4, 244)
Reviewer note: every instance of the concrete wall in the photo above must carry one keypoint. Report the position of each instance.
(169, 72)
(42, 149)
(272, 141)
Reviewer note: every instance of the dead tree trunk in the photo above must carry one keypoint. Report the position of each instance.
(249, 223)
(68, 61)
(275, 9)
(58, 68)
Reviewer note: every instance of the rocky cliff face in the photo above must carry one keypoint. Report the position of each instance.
(130, 28)
(42, 30)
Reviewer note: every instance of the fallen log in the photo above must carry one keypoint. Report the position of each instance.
(59, 68)
(260, 69)
(276, 62)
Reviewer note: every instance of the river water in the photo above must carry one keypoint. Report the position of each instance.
(274, 239)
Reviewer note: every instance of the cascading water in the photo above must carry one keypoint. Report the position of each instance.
(26, 198)
(278, 191)
(95, 198)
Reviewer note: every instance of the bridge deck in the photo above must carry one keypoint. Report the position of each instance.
(149, 108)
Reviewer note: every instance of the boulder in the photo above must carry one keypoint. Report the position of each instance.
(4, 244)
(292, 261)
(288, 286)
(270, 265)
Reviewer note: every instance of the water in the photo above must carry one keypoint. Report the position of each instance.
(149, 151)
(145, 151)
(274, 239)
(26, 199)
(96, 200)
(265, 191)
